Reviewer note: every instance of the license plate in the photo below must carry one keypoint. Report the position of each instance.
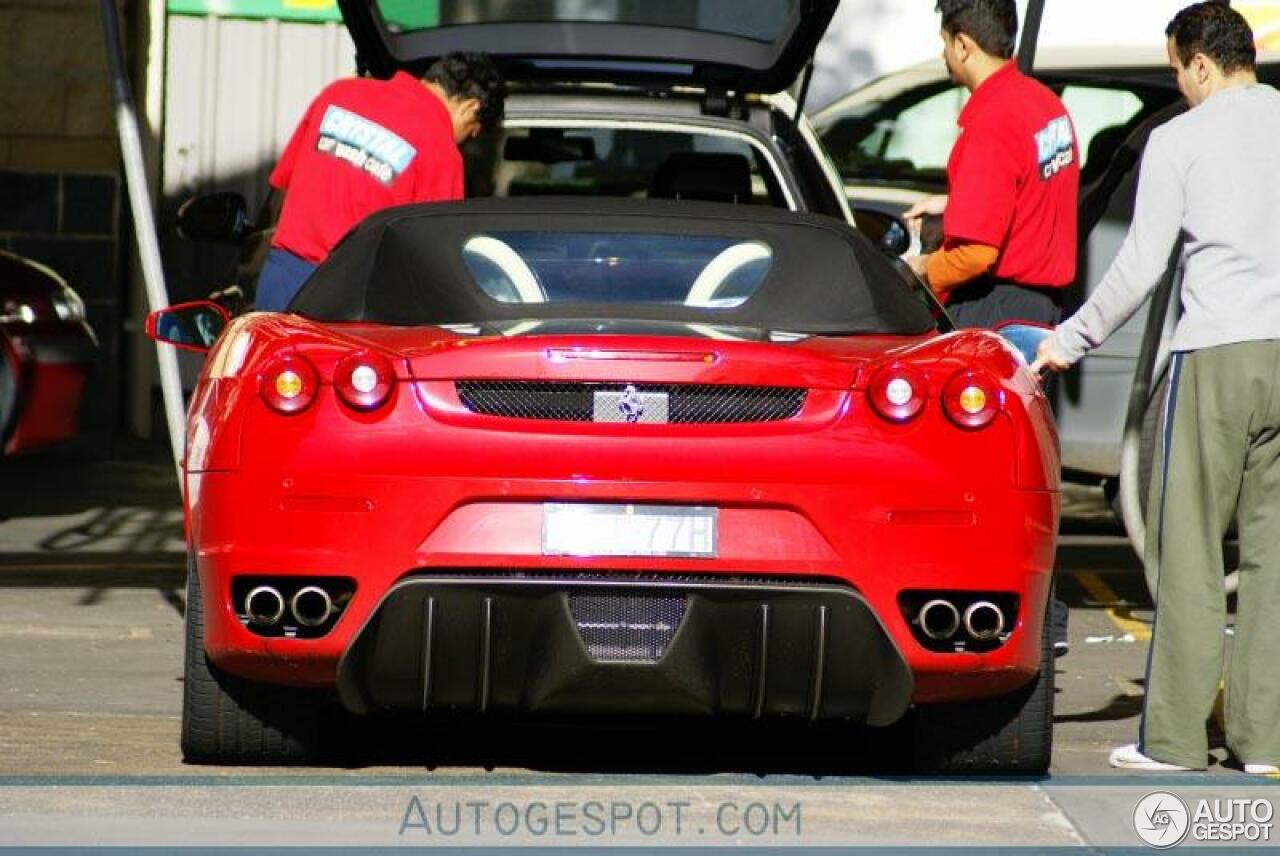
(585, 529)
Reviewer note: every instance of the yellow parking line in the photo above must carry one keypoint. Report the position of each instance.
(1122, 617)
(1120, 614)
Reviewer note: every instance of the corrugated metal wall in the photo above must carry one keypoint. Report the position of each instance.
(234, 91)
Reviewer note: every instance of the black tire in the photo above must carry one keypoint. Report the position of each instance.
(229, 720)
(1012, 733)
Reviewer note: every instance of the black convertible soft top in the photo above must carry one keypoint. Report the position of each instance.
(404, 266)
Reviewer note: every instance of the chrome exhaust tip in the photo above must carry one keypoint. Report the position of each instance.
(311, 606)
(939, 619)
(983, 621)
(264, 605)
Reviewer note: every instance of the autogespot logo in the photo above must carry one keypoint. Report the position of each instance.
(1161, 820)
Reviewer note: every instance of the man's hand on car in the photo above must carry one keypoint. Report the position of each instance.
(930, 206)
(1047, 357)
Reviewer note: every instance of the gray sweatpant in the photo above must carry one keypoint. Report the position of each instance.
(1218, 456)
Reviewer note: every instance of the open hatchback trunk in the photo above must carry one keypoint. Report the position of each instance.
(729, 45)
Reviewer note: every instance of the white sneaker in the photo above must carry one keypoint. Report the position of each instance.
(1262, 769)
(1128, 757)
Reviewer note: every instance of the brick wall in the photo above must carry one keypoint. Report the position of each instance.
(60, 187)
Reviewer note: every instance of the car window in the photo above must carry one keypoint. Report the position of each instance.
(908, 139)
(905, 138)
(1102, 116)
(710, 272)
(621, 162)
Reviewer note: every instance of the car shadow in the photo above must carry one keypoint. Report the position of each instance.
(1118, 708)
(69, 481)
(679, 748)
(97, 574)
(70, 519)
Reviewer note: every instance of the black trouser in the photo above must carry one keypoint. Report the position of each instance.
(988, 302)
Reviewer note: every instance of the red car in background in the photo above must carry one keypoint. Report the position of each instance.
(46, 353)
(552, 457)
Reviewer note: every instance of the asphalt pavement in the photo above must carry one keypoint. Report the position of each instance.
(91, 605)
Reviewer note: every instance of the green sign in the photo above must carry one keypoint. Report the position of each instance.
(285, 10)
(410, 14)
(399, 14)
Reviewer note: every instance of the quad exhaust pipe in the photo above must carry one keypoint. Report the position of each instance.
(264, 605)
(311, 606)
(983, 621)
(271, 606)
(939, 619)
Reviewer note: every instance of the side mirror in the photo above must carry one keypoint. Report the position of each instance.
(1025, 337)
(219, 217)
(191, 326)
(886, 231)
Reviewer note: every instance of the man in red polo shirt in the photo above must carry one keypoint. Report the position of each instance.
(368, 144)
(1009, 223)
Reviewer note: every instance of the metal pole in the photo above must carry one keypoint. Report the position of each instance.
(144, 227)
(1030, 36)
(805, 80)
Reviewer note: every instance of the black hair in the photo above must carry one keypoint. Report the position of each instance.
(1217, 31)
(992, 24)
(472, 75)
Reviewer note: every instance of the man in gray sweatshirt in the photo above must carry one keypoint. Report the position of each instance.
(1210, 178)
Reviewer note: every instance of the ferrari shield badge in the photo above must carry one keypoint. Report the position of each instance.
(630, 405)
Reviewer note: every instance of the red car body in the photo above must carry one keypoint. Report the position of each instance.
(837, 493)
(46, 353)
(422, 512)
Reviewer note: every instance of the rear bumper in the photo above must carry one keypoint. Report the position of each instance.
(878, 540)
(564, 645)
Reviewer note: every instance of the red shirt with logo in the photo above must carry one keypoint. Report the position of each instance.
(1015, 179)
(364, 145)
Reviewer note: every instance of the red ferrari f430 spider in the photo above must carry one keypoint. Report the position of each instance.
(552, 457)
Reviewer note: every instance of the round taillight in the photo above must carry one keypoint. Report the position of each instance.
(971, 399)
(897, 392)
(289, 384)
(364, 381)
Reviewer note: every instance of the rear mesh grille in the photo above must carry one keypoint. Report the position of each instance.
(626, 628)
(582, 402)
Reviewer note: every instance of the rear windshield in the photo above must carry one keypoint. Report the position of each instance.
(705, 271)
(762, 20)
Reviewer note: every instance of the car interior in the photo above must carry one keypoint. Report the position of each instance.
(621, 162)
